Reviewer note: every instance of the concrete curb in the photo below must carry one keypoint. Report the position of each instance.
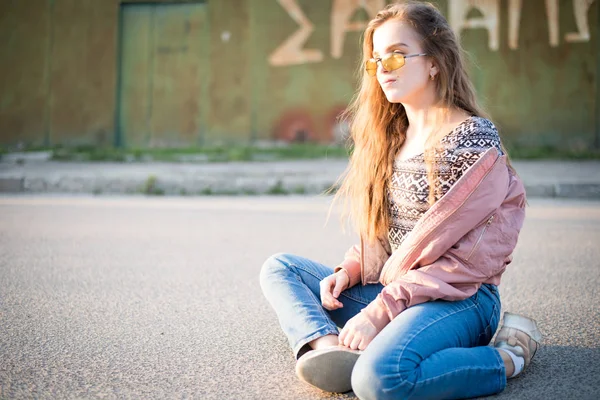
(581, 191)
(156, 185)
(241, 186)
(565, 190)
(551, 179)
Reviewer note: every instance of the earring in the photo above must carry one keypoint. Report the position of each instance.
(431, 77)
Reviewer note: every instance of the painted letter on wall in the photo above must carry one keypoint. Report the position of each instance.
(341, 13)
(580, 8)
(291, 52)
(514, 21)
(552, 15)
(458, 10)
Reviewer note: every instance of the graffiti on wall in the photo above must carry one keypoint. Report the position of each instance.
(581, 8)
(292, 51)
(341, 14)
(490, 9)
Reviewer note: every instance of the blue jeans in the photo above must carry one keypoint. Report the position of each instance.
(434, 350)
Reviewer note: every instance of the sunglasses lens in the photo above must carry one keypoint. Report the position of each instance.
(393, 62)
(371, 67)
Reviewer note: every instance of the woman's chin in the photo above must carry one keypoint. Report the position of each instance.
(393, 97)
(393, 94)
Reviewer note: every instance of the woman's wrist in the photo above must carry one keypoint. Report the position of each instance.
(342, 269)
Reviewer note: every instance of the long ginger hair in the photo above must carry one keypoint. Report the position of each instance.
(378, 127)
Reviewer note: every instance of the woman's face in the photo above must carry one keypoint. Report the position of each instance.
(407, 83)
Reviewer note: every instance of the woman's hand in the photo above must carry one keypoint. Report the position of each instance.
(357, 333)
(331, 287)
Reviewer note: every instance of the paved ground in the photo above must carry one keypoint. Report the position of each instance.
(137, 297)
(565, 179)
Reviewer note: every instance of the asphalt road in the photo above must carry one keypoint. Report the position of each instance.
(115, 297)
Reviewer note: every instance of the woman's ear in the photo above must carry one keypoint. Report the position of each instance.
(433, 69)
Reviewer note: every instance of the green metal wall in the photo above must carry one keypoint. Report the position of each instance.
(162, 75)
(24, 71)
(539, 94)
(230, 72)
(66, 79)
(57, 70)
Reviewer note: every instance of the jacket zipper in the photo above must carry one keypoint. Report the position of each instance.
(487, 224)
(362, 262)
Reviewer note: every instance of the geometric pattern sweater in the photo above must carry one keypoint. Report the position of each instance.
(408, 189)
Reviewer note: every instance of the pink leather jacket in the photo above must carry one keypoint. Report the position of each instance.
(464, 240)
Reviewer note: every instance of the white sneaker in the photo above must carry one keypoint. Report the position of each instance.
(520, 335)
(329, 369)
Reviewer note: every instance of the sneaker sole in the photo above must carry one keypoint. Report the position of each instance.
(328, 369)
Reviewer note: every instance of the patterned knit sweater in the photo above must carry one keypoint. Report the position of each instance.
(408, 190)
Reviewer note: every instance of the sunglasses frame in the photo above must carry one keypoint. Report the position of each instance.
(400, 58)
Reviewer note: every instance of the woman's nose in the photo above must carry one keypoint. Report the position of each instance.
(381, 69)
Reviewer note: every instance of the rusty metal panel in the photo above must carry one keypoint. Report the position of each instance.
(83, 78)
(230, 74)
(135, 76)
(180, 60)
(25, 29)
(163, 70)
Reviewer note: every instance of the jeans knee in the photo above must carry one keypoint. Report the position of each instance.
(371, 380)
(274, 265)
(366, 379)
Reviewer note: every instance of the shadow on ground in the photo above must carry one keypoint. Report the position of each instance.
(557, 372)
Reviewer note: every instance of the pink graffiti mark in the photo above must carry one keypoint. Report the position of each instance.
(295, 126)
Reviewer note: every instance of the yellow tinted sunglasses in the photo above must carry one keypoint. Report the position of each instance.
(390, 62)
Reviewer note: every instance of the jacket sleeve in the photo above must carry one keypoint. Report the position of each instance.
(351, 265)
(446, 279)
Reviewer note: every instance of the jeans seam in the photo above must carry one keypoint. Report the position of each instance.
(421, 330)
(307, 271)
(452, 372)
(360, 300)
(310, 293)
(502, 377)
(489, 323)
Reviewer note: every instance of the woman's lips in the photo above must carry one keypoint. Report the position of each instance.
(388, 81)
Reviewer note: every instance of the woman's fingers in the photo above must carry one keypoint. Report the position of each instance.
(340, 285)
(342, 336)
(363, 344)
(351, 339)
(356, 340)
(348, 337)
(357, 333)
(327, 300)
(344, 339)
(332, 304)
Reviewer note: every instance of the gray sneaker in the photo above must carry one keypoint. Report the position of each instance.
(329, 369)
(520, 335)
